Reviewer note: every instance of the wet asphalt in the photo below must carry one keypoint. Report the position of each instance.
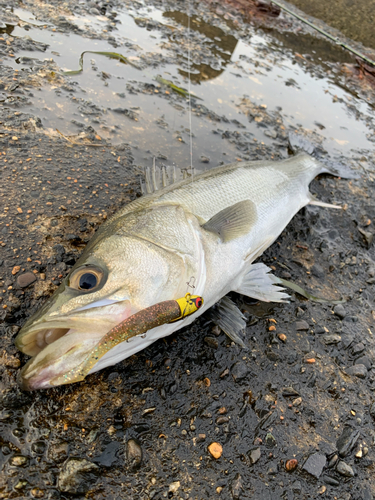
(194, 416)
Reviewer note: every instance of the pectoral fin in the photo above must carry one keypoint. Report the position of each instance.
(233, 221)
(258, 283)
(226, 315)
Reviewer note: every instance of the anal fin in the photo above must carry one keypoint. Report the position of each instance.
(260, 284)
(226, 315)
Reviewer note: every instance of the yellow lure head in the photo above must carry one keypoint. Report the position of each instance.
(189, 305)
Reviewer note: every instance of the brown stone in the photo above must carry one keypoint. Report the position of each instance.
(26, 279)
(291, 464)
(215, 450)
(16, 269)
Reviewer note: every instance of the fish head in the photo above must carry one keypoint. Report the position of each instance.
(116, 277)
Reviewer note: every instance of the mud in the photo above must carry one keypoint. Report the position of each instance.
(73, 150)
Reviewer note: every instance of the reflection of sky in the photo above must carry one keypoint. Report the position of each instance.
(257, 69)
(221, 46)
(307, 104)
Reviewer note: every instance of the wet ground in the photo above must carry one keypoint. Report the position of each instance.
(354, 19)
(294, 413)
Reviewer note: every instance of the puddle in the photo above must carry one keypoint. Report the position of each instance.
(124, 103)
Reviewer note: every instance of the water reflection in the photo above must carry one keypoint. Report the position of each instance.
(319, 49)
(6, 28)
(221, 47)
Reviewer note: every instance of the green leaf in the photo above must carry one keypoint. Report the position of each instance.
(172, 86)
(111, 55)
(308, 295)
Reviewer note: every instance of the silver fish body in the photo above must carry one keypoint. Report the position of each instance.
(206, 232)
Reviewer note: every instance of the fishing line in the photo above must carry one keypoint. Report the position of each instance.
(189, 110)
(189, 284)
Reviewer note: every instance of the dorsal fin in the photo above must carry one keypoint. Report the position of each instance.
(157, 178)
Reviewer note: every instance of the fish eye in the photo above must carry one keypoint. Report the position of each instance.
(87, 279)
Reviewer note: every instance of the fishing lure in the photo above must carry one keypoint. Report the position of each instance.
(137, 324)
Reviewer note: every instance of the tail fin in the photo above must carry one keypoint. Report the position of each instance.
(298, 143)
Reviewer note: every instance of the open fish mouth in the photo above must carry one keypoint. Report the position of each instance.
(55, 351)
(35, 341)
(59, 345)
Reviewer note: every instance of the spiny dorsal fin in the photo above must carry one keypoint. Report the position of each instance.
(157, 178)
(233, 221)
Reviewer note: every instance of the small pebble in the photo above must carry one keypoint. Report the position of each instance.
(339, 311)
(21, 484)
(358, 348)
(331, 481)
(270, 440)
(173, 487)
(344, 469)
(75, 475)
(322, 490)
(37, 493)
(222, 420)
(216, 330)
(38, 447)
(315, 464)
(254, 455)
(282, 337)
(16, 269)
(348, 439)
(302, 325)
(364, 360)
(18, 460)
(25, 279)
(215, 450)
(291, 465)
(331, 339)
(359, 371)
(134, 453)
